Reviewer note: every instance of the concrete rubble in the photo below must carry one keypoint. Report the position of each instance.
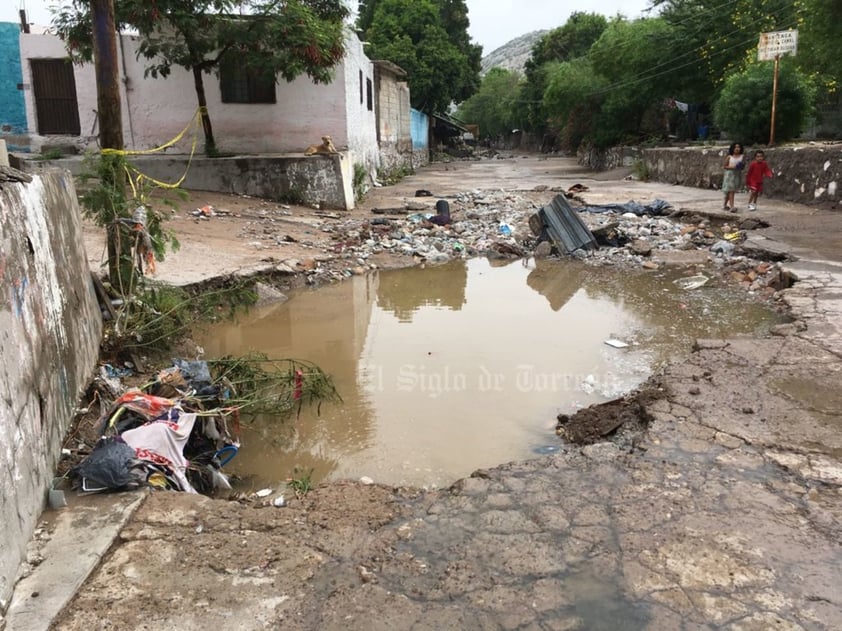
(496, 224)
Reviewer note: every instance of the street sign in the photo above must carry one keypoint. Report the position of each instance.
(777, 43)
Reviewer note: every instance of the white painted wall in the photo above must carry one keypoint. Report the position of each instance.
(42, 46)
(156, 110)
(362, 122)
(50, 329)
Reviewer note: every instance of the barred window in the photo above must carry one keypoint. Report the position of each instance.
(240, 84)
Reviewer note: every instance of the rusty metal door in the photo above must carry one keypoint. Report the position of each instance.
(56, 106)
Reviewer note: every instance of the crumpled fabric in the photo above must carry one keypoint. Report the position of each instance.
(162, 442)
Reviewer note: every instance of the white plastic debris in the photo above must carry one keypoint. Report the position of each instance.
(263, 493)
(616, 343)
(279, 502)
(692, 282)
(366, 480)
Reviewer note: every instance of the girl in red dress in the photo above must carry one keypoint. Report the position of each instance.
(757, 170)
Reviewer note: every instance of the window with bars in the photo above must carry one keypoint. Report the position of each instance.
(240, 84)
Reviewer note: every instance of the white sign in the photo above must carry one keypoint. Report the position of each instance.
(777, 43)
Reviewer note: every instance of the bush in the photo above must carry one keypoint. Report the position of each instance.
(745, 105)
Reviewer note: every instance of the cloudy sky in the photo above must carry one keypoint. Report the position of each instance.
(493, 22)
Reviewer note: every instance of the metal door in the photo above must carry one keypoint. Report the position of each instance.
(56, 106)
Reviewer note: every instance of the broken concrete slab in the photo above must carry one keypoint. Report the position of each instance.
(80, 537)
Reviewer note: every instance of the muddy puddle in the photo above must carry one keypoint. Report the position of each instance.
(454, 368)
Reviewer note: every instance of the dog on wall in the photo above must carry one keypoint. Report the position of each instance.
(325, 148)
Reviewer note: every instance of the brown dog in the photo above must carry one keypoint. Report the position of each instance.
(325, 148)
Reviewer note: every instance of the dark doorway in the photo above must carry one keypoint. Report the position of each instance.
(56, 106)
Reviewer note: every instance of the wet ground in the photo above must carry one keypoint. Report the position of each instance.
(725, 514)
(466, 365)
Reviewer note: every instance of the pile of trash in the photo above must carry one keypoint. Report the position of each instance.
(175, 434)
(506, 224)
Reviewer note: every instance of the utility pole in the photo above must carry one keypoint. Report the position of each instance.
(770, 47)
(107, 74)
(120, 267)
(774, 100)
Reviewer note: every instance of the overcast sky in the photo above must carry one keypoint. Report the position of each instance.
(493, 22)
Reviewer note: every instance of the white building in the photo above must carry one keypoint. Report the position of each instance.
(247, 117)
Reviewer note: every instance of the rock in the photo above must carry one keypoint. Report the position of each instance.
(695, 390)
(723, 247)
(651, 265)
(607, 234)
(267, 295)
(543, 250)
(366, 480)
(536, 224)
(601, 452)
(641, 247)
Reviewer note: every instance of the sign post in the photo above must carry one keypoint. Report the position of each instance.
(772, 46)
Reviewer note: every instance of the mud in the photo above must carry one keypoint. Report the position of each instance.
(725, 513)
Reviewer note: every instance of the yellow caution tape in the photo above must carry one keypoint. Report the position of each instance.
(138, 152)
(136, 178)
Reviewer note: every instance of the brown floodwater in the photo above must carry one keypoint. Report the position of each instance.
(453, 368)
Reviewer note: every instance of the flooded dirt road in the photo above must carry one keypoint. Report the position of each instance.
(725, 514)
(457, 367)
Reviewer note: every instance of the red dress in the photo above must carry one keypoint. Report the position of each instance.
(755, 174)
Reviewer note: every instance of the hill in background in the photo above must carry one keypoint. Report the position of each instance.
(512, 55)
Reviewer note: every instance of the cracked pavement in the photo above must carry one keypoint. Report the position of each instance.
(725, 514)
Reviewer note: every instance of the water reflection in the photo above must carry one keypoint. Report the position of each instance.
(439, 286)
(329, 328)
(555, 284)
(454, 368)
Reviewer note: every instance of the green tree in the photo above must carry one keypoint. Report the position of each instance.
(719, 38)
(574, 98)
(745, 104)
(819, 34)
(633, 58)
(494, 106)
(429, 39)
(571, 41)
(288, 38)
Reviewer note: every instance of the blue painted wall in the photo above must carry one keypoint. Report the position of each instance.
(12, 106)
(419, 129)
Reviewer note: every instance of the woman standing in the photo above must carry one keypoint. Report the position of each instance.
(733, 170)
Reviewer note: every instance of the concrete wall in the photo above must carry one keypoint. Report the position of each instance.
(394, 121)
(420, 134)
(361, 121)
(12, 104)
(50, 330)
(805, 174)
(326, 180)
(156, 110)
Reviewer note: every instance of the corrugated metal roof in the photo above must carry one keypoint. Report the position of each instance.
(566, 229)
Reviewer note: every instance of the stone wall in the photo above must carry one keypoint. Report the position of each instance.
(805, 174)
(50, 330)
(326, 180)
